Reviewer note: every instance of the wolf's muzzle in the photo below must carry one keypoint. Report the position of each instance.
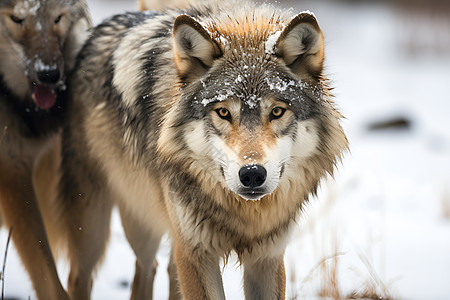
(252, 176)
(50, 76)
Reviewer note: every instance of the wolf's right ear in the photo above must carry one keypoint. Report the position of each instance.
(195, 51)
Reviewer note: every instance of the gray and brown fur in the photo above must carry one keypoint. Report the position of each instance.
(160, 5)
(168, 111)
(39, 41)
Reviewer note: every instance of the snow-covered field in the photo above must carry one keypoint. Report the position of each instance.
(386, 216)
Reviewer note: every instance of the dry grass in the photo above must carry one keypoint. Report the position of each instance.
(330, 281)
(326, 276)
(2, 275)
(445, 201)
(374, 287)
(326, 271)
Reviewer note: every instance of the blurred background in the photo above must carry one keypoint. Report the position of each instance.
(381, 228)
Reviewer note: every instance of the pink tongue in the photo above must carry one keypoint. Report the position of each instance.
(45, 97)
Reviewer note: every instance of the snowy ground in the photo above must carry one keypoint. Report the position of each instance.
(384, 214)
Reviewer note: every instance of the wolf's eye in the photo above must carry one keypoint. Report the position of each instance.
(277, 112)
(16, 19)
(224, 113)
(58, 19)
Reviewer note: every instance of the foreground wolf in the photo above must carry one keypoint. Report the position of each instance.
(214, 123)
(38, 45)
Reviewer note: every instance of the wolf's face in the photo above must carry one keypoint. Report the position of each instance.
(34, 34)
(257, 154)
(256, 123)
(251, 103)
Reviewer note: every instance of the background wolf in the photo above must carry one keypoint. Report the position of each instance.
(214, 123)
(38, 44)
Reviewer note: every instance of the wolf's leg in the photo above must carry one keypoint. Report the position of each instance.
(86, 212)
(198, 273)
(145, 244)
(45, 183)
(265, 279)
(88, 224)
(20, 211)
(174, 286)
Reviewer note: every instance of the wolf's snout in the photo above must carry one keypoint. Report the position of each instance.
(50, 76)
(252, 175)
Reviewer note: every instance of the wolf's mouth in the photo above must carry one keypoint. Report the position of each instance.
(44, 96)
(253, 195)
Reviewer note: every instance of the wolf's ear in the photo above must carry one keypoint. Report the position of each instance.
(195, 51)
(301, 46)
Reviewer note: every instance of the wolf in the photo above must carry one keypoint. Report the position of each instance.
(215, 124)
(39, 40)
(158, 5)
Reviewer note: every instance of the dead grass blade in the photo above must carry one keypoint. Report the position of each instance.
(2, 275)
(320, 265)
(445, 200)
(374, 287)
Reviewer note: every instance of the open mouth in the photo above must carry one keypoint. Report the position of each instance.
(44, 96)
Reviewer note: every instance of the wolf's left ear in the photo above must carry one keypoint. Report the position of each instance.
(301, 46)
(195, 51)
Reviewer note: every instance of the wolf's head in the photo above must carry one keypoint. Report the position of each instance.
(255, 110)
(38, 43)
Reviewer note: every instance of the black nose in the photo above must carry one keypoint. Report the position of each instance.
(49, 76)
(252, 175)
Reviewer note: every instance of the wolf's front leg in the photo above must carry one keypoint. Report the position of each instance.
(198, 273)
(20, 211)
(265, 279)
(88, 232)
(145, 243)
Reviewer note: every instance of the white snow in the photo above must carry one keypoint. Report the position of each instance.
(27, 7)
(222, 95)
(384, 213)
(279, 84)
(225, 42)
(39, 65)
(271, 42)
(308, 12)
(252, 101)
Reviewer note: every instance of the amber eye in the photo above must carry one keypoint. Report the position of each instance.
(277, 112)
(224, 113)
(58, 19)
(16, 19)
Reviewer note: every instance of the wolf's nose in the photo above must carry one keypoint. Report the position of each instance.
(50, 76)
(252, 175)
